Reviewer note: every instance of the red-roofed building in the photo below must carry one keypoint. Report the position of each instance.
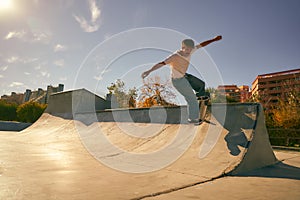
(273, 86)
(238, 94)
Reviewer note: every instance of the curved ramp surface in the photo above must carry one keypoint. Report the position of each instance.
(59, 158)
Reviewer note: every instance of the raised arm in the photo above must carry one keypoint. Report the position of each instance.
(205, 43)
(155, 67)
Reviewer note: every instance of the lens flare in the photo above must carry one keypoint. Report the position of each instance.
(6, 4)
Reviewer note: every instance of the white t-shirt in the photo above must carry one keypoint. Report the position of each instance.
(179, 63)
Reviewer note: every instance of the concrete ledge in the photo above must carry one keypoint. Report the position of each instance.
(162, 115)
(13, 126)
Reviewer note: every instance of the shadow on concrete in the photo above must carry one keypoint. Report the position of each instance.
(239, 120)
(234, 140)
(279, 170)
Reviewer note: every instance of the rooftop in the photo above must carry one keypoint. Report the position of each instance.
(294, 71)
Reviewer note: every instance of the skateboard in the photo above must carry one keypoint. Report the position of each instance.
(203, 101)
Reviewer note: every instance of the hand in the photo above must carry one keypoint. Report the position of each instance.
(219, 37)
(145, 74)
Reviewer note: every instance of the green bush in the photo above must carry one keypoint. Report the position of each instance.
(8, 111)
(30, 111)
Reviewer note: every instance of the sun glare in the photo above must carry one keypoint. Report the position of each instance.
(6, 4)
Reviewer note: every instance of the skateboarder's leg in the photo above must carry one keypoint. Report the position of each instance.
(183, 87)
(197, 85)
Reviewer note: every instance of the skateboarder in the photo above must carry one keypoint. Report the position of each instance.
(185, 83)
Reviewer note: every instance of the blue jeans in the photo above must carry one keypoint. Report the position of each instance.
(197, 85)
(183, 86)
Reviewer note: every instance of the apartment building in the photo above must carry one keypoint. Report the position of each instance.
(231, 91)
(244, 93)
(238, 94)
(269, 88)
(13, 98)
(40, 95)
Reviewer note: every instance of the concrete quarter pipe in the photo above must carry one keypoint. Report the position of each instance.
(87, 158)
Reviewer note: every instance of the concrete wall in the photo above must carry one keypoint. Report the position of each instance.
(60, 103)
(168, 115)
(79, 103)
(65, 104)
(87, 107)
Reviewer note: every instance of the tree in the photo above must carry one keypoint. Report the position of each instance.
(123, 97)
(283, 110)
(30, 111)
(216, 96)
(154, 92)
(286, 113)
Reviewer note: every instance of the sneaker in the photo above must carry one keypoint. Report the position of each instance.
(195, 121)
(203, 98)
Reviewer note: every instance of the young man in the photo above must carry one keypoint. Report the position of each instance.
(185, 83)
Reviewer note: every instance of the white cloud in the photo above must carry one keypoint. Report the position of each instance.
(14, 84)
(29, 60)
(100, 76)
(4, 68)
(95, 11)
(41, 69)
(60, 47)
(93, 24)
(16, 59)
(85, 25)
(45, 74)
(27, 73)
(13, 59)
(60, 63)
(41, 36)
(15, 34)
(1, 76)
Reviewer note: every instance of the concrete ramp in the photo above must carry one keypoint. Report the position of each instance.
(85, 158)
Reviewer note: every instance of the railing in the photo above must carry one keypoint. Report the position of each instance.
(284, 137)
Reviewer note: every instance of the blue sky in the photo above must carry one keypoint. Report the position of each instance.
(89, 43)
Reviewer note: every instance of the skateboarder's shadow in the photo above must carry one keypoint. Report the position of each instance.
(235, 140)
(239, 127)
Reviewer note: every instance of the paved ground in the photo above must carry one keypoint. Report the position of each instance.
(58, 158)
(281, 181)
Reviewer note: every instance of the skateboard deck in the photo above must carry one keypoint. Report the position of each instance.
(202, 109)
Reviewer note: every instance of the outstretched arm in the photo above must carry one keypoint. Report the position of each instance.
(155, 67)
(205, 43)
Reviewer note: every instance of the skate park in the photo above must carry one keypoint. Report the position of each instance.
(79, 150)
